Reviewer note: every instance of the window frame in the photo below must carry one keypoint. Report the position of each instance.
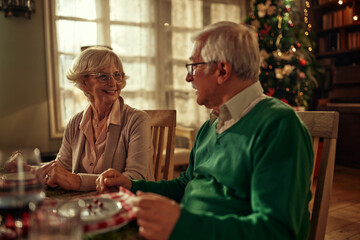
(162, 59)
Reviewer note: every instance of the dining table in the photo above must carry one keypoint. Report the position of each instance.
(121, 225)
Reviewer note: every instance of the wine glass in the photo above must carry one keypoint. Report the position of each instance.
(21, 186)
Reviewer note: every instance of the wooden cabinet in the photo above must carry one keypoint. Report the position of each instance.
(338, 51)
(348, 144)
(346, 84)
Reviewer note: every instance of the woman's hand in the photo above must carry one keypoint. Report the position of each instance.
(156, 215)
(56, 175)
(110, 181)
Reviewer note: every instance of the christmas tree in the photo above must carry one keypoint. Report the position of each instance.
(288, 65)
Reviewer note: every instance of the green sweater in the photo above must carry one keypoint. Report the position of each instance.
(250, 182)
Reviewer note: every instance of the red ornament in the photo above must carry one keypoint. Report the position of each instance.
(266, 30)
(285, 100)
(287, 9)
(270, 92)
(298, 45)
(303, 62)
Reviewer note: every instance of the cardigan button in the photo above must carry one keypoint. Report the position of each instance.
(91, 164)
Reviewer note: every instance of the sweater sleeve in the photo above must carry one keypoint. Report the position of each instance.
(87, 181)
(64, 156)
(173, 189)
(140, 150)
(280, 183)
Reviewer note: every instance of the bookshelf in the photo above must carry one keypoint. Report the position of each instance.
(338, 47)
(338, 51)
(335, 27)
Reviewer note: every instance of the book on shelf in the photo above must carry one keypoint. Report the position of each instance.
(353, 40)
(329, 43)
(334, 41)
(338, 18)
(348, 15)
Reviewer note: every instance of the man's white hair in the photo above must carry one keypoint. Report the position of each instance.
(234, 43)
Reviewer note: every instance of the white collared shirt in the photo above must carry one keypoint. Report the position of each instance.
(238, 106)
(92, 158)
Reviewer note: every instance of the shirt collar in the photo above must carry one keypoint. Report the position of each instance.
(237, 104)
(113, 116)
(115, 113)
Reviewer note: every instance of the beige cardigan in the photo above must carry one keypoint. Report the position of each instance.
(128, 147)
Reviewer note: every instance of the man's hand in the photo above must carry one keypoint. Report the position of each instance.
(56, 175)
(110, 181)
(156, 215)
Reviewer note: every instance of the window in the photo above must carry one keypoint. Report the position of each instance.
(151, 37)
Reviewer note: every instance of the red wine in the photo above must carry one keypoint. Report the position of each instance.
(16, 206)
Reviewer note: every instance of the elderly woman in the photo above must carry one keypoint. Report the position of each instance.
(107, 134)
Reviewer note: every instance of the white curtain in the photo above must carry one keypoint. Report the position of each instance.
(152, 38)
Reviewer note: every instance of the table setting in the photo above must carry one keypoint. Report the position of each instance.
(31, 210)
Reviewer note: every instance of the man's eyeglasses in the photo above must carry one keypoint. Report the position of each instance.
(190, 66)
(105, 77)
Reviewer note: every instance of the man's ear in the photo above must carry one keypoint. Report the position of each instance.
(224, 72)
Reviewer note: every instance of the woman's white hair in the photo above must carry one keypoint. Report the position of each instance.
(92, 60)
(234, 43)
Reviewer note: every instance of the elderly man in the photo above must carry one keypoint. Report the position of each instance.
(250, 167)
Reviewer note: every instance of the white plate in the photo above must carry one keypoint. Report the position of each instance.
(18, 177)
(96, 213)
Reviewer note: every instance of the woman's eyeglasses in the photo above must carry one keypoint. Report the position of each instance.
(105, 77)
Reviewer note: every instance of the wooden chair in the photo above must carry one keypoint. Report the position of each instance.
(322, 125)
(182, 153)
(163, 123)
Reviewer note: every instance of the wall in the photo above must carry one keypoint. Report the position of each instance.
(24, 110)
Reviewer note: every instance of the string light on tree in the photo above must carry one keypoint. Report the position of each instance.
(286, 50)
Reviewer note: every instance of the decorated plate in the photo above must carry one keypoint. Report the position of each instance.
(91, 209)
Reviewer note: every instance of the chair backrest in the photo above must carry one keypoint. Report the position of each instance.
(322, 125)
(182, 153)
(163, 123)
(186, 132)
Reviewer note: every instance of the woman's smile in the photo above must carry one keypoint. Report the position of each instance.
(110, 92)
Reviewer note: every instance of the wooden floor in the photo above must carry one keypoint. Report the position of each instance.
(344, 212)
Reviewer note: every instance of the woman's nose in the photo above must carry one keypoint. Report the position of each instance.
(111, 81)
